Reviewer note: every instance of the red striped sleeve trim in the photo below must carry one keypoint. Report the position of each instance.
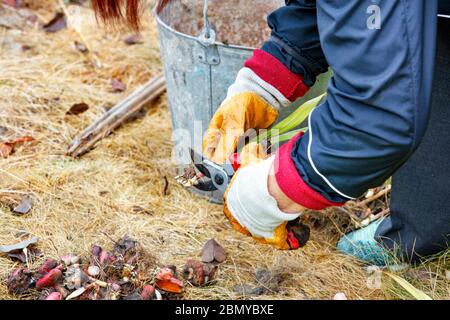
(293, 185)
(272, 71)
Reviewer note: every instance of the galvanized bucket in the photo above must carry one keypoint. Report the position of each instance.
(202, 53)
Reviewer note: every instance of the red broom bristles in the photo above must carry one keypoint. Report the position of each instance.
(114, 12)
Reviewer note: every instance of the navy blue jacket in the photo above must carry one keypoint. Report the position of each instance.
(382, 55)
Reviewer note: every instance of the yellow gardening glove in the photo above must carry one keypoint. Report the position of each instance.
(252, 210)
(241, 112)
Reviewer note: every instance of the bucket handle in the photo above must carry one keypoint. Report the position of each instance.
(208, 35)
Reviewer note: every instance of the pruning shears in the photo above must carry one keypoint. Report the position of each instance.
(212, 177)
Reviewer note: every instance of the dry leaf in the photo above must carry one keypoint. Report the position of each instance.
(81, 47)
(76, 293)
(19, 246)
(26, 47)
(125, 247)
(5, 150)
(165, 186)
(58, 23)
(133, 39)
(18, 256)
(78, 108)
(24, 206)
(213, 251)
(31, 254)
(117, 85)
(169, 286)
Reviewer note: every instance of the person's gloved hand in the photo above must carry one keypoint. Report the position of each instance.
(234, 117)
(248, 106)
(241, 112)
(251, 208)
(261, 88)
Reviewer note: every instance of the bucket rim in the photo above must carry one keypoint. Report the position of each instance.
(159, 6)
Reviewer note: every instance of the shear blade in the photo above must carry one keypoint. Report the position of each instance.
(197, 161)
(203, 185)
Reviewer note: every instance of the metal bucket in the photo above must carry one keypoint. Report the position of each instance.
(204, 44)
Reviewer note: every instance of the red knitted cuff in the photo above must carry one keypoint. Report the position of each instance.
(293, 185)
(272, 71)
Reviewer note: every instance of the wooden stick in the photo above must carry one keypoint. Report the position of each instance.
(373, 217)
(117, 116)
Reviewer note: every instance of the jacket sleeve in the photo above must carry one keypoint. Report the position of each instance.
(290, 60)
(295, 40)
(378, 102)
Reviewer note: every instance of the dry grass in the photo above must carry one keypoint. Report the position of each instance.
(76, 201)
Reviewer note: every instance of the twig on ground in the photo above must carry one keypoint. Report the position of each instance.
(383, 192)
(374, 217)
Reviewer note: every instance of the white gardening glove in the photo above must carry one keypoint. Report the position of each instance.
(253, 211)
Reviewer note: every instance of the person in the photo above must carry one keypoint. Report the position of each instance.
(369, 128)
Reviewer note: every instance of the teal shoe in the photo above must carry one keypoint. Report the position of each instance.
(362, 245)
